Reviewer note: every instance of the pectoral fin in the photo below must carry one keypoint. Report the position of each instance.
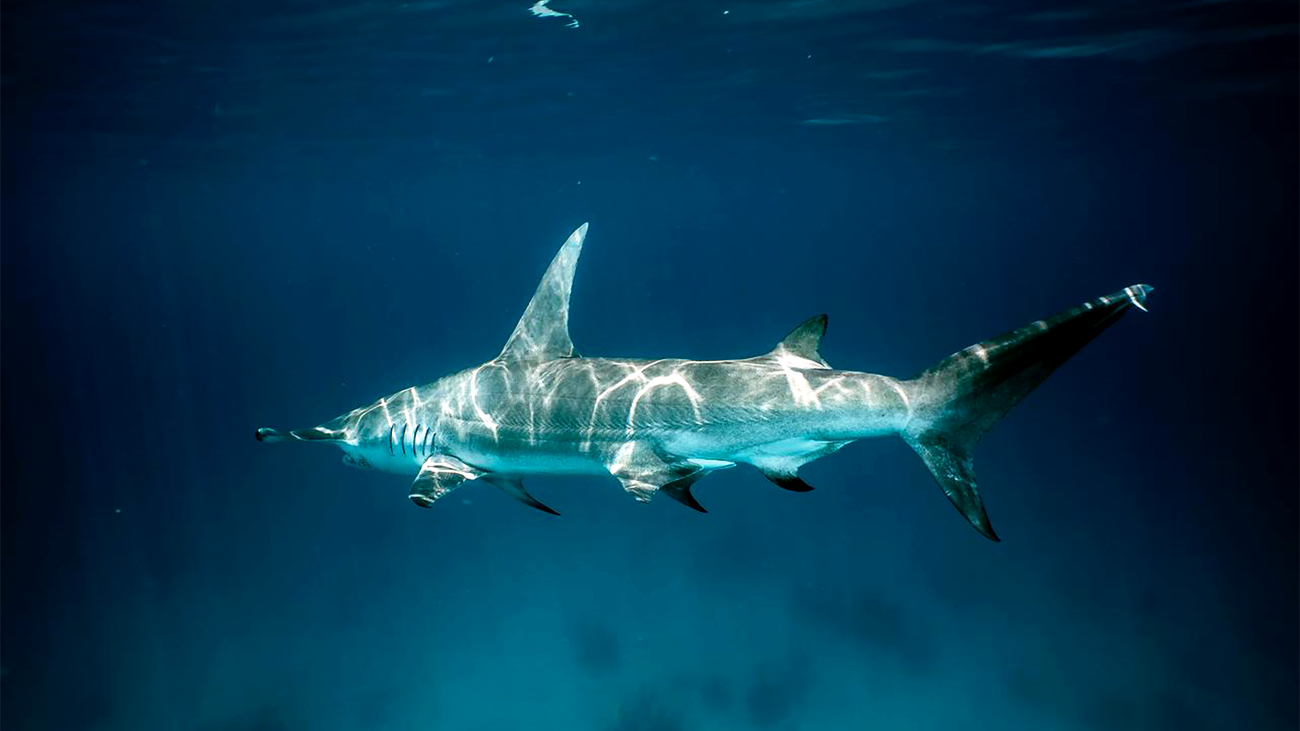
(680, 490)
(439, 475)
(514, 487)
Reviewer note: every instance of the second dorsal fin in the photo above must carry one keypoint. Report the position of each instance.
(803, 341)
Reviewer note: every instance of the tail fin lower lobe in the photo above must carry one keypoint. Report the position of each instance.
(963, 396)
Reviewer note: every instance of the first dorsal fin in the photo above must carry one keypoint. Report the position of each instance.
(803, 341)
(543, 331)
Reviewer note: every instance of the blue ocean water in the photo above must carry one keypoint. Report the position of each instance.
(219, 216)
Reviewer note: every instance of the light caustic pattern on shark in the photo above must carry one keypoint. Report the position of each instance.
(659, 426)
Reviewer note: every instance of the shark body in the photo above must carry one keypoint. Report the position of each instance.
(659, 426)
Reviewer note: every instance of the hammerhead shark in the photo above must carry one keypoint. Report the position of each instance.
(659, 426)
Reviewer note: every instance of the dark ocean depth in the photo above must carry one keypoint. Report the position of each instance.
(223, 216)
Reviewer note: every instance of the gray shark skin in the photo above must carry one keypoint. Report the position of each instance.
(659, 426)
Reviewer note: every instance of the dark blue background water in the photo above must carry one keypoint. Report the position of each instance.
(224, 216)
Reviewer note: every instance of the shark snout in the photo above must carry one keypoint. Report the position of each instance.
(271, 435)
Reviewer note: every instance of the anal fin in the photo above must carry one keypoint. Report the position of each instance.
(780, 461)
(787, 481)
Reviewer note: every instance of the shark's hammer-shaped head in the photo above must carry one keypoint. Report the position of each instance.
(394, 433)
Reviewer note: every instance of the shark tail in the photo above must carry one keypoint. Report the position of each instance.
(958, 400)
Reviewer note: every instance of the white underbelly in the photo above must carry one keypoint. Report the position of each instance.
(539, 461)
(381, 459)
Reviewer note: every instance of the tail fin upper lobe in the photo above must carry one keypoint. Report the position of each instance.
(963, 396)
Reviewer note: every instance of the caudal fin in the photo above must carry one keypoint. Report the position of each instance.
(955, 402)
